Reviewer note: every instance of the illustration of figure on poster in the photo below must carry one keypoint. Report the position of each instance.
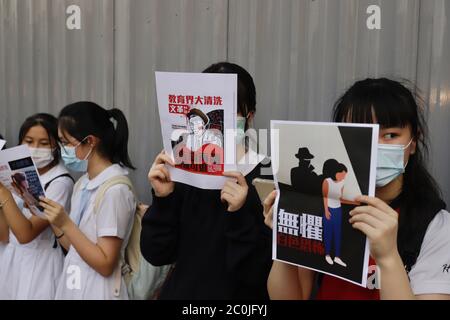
(304, 179)
(330, 185)
(200, 147)
(334, 175)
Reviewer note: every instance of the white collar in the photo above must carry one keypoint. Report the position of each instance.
(110, 172)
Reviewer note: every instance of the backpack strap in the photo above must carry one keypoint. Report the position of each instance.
(56, 178)
(107, 185)
(97, 202)
(55, 243)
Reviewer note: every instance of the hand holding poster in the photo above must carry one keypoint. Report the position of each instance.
(19, 174)
(319, 169)
(196, 109)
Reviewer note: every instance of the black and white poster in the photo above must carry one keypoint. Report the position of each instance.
(319, 170)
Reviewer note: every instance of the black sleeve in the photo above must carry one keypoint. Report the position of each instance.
(159, 235)
(249, 244)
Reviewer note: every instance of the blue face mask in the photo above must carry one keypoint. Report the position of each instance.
(390, 163)
(68, 154)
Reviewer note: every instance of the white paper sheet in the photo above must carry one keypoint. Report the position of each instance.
(198, 115)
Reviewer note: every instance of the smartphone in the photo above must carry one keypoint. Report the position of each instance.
(263, 187)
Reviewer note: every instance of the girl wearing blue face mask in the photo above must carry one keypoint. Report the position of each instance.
(32, 261)
(94, 141)
(216, 238)
(406, 223)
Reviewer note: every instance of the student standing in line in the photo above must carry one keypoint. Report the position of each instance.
(406, 223)
(216, 238)
(94, 141)
(32, 261)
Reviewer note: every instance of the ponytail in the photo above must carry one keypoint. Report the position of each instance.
(120, 145)
(82, 119)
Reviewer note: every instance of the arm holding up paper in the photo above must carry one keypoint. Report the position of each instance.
(24, 229)
(159, 176)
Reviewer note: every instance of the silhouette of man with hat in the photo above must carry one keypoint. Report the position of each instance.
(303, 177)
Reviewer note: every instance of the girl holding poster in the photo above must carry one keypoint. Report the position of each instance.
(406, 224)
(32, 261)
(216, 238)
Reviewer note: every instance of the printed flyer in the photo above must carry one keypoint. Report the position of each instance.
(198, 115)
(19, 174)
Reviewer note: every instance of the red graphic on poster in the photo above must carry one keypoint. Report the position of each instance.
(200, 150)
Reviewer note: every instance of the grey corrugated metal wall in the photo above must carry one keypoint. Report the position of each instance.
(302, 53)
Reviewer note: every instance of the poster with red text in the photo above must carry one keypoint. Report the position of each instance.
(198, 117)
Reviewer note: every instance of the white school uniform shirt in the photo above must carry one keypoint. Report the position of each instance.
(431, 273)
(114, 218)
(31, 271)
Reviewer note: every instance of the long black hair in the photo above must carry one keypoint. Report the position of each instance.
(50, 124)
(246, 86)
(331, 167)
(82, 119)
(394, 105)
